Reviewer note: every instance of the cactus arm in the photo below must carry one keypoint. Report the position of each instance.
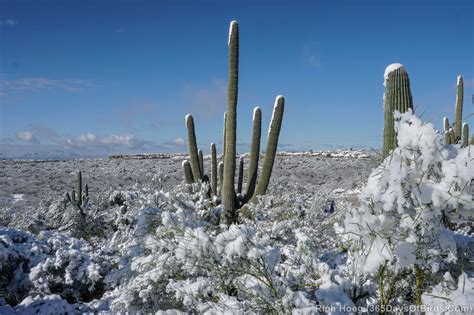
(241, 175)
(458, 108)
(447, 137)
(465, 135)
(73, 196)
(213, 169)
(254, 155)
(272, 145)
(187, 172)
(193, 152)
(446, 123)
(452, 136)
(230, 126)
(201, 162)
(221, 176)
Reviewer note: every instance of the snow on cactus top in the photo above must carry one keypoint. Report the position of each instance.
(230, 30)
(390, 69)
(460, 81)
(255, 110)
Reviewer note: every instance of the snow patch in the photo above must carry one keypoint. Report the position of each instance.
(390, 69)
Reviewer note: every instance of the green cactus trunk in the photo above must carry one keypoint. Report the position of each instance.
(272, 145)
(213, 169)
(458, 109)
(254, 155)
(397, 97)
(230, 127)
(193, 151)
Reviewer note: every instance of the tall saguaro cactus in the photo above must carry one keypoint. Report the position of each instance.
(231, 123)
(232, 198)
(397, 97)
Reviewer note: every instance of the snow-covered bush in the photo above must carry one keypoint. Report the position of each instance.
(398, 234)
(50, 264)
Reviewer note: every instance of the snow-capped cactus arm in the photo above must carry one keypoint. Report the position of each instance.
(201, 161)
(465, 135)
(447, 137)
(446, 124)
(254, 154)
(458, 108)
(228, 189)
(213, 169)
(187, 172)
(193, 151)
(272, 145)
(221, 176)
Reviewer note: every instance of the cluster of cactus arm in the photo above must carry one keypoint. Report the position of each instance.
(458, 133)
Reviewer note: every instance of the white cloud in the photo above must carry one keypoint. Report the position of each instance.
(178, 142)
(27, 136)
(8, 22)
(35, 84)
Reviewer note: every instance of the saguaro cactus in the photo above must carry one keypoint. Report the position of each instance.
(397, 97)
(79, 199)
(231, 202)
(459, 132)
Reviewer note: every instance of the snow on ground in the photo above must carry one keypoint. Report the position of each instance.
(146, 242)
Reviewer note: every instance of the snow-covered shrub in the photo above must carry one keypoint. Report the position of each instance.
(397, 235)
(50, 264)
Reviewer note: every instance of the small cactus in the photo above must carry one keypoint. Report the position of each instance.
(397, 97)
(79, 199)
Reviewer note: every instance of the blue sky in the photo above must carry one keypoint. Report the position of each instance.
(107, 77)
